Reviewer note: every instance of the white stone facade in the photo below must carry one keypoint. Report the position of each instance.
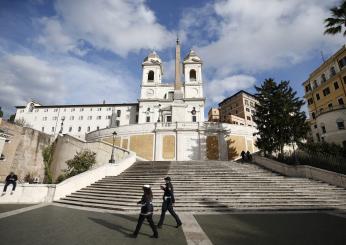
(77, 119)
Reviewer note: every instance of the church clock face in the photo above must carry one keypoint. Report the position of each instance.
(150, 92)
(194, 92)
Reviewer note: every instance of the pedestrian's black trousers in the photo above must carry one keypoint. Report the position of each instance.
(167, 205)
(13, 183)
(141, 219)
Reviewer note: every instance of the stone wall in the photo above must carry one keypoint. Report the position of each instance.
(23, 151)
(67, 146)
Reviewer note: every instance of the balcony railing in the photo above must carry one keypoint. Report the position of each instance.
(329, 109)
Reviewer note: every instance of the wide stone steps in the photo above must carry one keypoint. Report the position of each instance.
(209, 186)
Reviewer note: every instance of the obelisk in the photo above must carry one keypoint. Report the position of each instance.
(178, 93)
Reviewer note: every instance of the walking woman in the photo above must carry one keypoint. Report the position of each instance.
(167, 204)
(147, 210)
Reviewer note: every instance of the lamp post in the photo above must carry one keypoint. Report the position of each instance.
(62, 125)
(112, 156)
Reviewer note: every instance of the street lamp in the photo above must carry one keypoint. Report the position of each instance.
(62, 125)
(112, 156)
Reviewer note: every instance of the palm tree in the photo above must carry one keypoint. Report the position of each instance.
(335, 23)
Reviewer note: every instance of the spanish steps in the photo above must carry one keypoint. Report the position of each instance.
(209, 186)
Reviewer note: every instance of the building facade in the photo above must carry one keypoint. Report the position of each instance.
(238, 109)
(214, 115)
(325, 93)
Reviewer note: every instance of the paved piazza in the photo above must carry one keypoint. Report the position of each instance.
(52, 225)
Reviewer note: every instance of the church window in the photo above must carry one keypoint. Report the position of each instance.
(70, 129)
(169, 118)
(80, 118)
(45, 110)
(42, 129)
(170, 95)
(88, 129)
(108, 117)
(73, 109)
(81, 109)
(52, 129)
(148, 119)
(194, 118)
(99, 109)
(55, 118)
(136, 118)
(71, 117)
(151, 76)
(192, 75)
(117, 123)
(97, 128)
(108, 109)
(98, 118)
(56, 110)
(79, 128)
(118, 113)
(44, 118)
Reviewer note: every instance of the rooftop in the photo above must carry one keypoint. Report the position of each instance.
(236, 94)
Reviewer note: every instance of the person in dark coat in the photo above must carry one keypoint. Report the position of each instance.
(249, 156)
(168, 201)
(243, 156)
(147, 210)
(11, 179)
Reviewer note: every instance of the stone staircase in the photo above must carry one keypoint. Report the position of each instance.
(209, 186)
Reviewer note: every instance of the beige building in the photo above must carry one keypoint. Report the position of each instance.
(214, 115)
(325, 92)
(238, 109)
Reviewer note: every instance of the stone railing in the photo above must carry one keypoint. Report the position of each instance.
(304, 171)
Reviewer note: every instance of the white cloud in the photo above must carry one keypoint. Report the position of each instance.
(258, 35)
(115, 25)
(60, 80)
(218, 89)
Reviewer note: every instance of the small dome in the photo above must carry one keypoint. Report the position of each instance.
(192, 57)
(152, 58)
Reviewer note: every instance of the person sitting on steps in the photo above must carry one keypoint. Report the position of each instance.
(11, 179)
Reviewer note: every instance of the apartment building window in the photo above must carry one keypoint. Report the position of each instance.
(70, 129)
(97, 128)
(56, 110)
(314, 84)
(55, 118)
(65, 110)
(80, 117)
(326, 91)
(36, 110)
(73, 109)
(247, 109)
(88, 129)
(323, 78)
(248, 118)
(44, 119)
(313, 115)
(99, 109)
(344, 78)
(109, 109)
(315, 126)
(321, 110)
(336, 85)
(90, 117)
(52, 129)
(118, 113)
(71, 117)
(317, 96)
(307, 88)
(246, 102)
(330, 106)
(332, 71)
(340, 101)
(79, 128)
(236, 112)
(108, 117)
(342, 62)
(45, 110)
(310, 101)
(323, 129)
(42, 129)
(98, 118)
(81, 109)
(252, 104)
(340, 124)
(91, 109)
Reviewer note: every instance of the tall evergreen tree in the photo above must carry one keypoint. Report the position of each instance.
(1, 113)
(278, 116)
(337, 21)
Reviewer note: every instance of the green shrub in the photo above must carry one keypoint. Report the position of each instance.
(81, 162)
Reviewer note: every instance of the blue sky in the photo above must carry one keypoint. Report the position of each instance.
(86, 51)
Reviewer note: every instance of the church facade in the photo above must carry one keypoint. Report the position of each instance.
(166, 124)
